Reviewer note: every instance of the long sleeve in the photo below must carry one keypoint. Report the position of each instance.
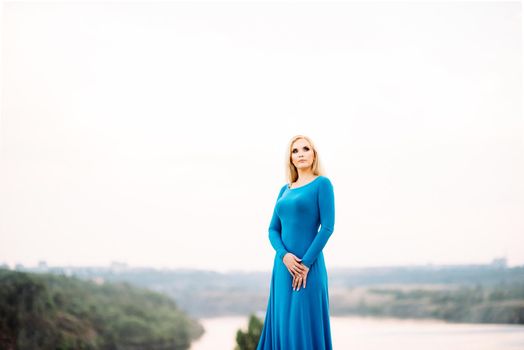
(275, 228)
(326, 203)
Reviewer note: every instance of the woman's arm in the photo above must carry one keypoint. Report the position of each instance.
(275, 228)
(326, 203)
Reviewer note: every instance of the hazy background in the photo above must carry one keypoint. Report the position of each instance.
(155, 133)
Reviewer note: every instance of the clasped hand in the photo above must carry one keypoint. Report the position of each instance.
(297, 269)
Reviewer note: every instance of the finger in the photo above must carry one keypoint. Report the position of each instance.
(299, 268)
(304, 282)
(297, 284)
(296, 268)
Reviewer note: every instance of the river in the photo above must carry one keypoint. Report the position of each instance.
(361, 333)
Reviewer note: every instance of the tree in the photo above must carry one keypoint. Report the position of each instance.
(249, 340)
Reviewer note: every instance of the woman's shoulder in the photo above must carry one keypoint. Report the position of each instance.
(282, 189)
(324, 179)
(324, 182)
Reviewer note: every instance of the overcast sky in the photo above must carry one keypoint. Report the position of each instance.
(155, 133)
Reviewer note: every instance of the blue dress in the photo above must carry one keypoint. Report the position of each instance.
(299, 320)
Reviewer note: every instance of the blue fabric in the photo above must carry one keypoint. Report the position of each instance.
(299, 320)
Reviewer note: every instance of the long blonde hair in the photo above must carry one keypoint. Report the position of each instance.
(291, 170)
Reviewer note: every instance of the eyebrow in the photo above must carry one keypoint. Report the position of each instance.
(302, 147)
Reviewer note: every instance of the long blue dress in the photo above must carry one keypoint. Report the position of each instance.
(299, 320)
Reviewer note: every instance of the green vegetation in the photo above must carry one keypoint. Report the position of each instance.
(474, 304)
(45, 311)
(463, 293)
(249, 340)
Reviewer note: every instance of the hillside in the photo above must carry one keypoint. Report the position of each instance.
(46, 311)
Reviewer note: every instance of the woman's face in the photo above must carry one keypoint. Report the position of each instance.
(302, 154)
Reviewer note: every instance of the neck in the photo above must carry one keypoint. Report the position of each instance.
(305, 173)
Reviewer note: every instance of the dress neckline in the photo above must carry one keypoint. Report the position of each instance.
(309, 183)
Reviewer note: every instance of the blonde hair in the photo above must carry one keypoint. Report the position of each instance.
(291, 170)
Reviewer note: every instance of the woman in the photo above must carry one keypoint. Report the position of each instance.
(297, 315)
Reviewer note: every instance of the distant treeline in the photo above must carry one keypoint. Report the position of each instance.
(46, 311)
(489, 304)
(478, 293)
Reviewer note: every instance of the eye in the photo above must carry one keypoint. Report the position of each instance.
(306, 148)
(295, 150)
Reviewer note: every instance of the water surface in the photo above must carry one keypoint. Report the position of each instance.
(385, 333)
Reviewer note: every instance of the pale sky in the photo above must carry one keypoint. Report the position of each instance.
(155, 133)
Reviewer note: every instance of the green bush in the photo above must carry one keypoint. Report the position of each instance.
(249, 340)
